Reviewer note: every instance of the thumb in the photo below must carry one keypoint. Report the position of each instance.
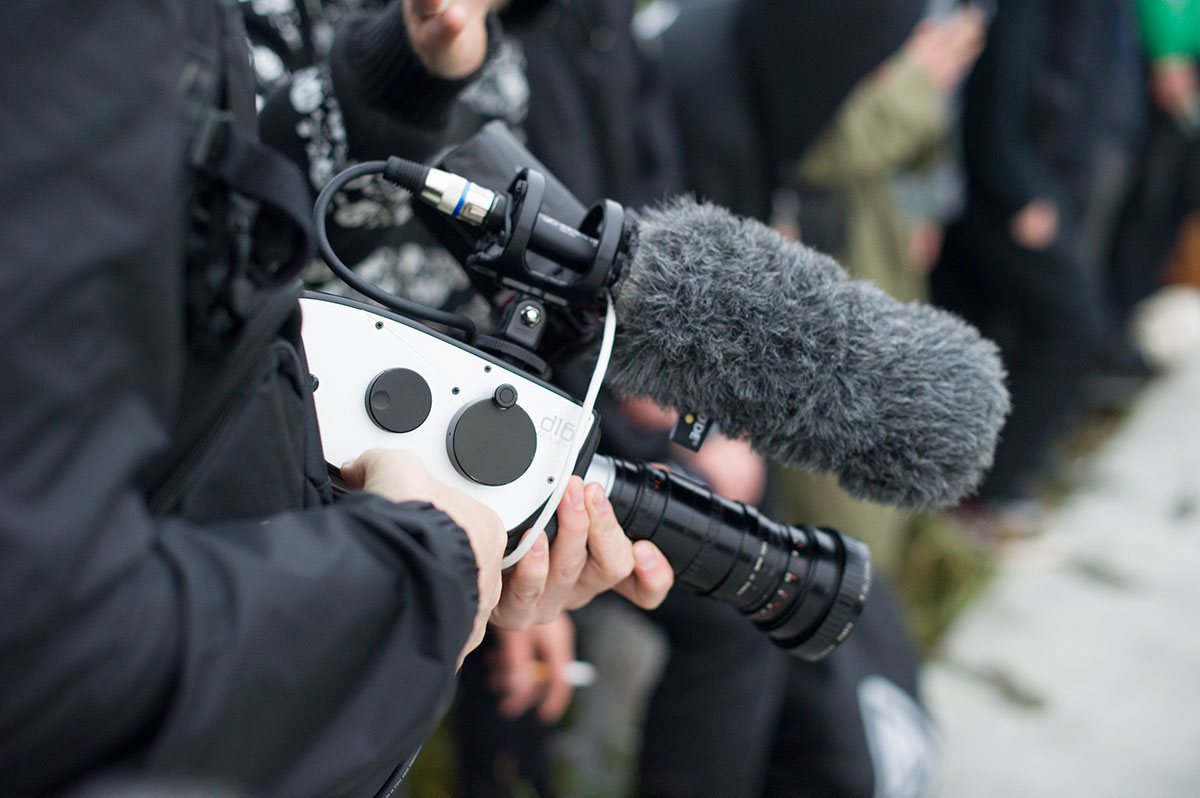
(652, 577)
(354, 472)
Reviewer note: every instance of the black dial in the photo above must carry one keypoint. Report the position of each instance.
(493, 441)
(399, 400)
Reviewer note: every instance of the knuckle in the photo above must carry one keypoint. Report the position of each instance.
(620, 566)
(572, 538)
(524, 591)
(518, 623)
(567, 569)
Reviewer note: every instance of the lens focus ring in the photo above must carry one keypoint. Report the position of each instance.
(847, 606)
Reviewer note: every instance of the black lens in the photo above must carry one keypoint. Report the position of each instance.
(803, 586)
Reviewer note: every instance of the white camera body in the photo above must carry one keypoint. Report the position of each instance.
(479, 424)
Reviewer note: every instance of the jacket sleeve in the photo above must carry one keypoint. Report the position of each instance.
(998, 147)
(301, 654)
(888, 122)
(1167, 27)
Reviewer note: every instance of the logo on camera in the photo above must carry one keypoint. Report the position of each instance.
(558, 428)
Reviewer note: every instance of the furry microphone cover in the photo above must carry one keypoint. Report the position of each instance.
(771, 340)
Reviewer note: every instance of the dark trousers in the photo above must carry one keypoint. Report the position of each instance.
(1168, 189)
(499, 757)
(712, 719)
(852, 724)
(1045, 311)
(735, 717)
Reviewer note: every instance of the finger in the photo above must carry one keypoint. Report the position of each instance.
(652, 577)
(971, 17)
(556, 697)
(967, 42)
(521, 696)
(523, 587)
(558, 690)
(568, 552)
(516, 680)
(453, 19)
(354, 472)
(520, 692)
(610, 553)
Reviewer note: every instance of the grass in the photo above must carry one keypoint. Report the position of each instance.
(942, 570)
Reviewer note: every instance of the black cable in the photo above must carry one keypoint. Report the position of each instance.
(399, 304)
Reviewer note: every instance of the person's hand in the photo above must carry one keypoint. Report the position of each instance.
(400, 476)
(1174, 86)
(925, 239)
(1035, 227)
(945, 49)
(731, 468)
(449, 36)
(590, 554)
(646, 414)
(528, 668)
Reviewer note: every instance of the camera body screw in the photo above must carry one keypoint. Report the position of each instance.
(531, 316)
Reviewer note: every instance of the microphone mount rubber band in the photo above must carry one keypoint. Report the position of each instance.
(585, 412)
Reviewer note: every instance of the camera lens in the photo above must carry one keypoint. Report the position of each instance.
(805, 587)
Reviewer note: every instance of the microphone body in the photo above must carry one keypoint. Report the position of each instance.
(772, 341)
(721, 316)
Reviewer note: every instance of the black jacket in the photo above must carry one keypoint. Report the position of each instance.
(1053, 77)
(754, 81)
(256, 639)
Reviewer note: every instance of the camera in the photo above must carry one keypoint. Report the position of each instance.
(486, 418)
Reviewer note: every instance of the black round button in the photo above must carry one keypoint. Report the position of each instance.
(505, 396)
(399, 400)
(493, 445)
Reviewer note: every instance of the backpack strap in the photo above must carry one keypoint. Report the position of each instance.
(225, 153)
(252, 209)
(220, 389)
(249, 206)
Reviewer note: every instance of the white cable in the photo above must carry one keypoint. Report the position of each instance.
(585, 414)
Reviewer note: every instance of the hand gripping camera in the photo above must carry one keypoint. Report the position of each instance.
(481, 411)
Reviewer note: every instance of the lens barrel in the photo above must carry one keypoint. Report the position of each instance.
(805, 587)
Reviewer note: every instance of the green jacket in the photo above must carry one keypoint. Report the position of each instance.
(1170, 27)
(893, 121)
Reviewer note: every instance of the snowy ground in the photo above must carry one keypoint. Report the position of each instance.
(1077, 674)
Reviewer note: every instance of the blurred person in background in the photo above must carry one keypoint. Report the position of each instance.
(1012, 263)
(754, 82)
(897, 119)
(755, 85)
(1168, 185)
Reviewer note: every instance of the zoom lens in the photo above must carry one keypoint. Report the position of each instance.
(805, 587)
